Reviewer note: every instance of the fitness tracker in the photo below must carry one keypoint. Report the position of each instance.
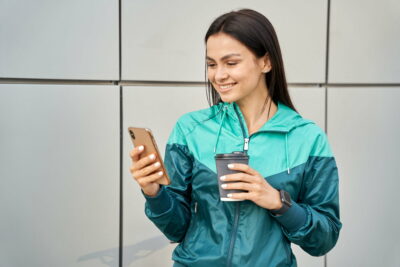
(286, 203)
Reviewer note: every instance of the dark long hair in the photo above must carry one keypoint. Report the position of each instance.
(254, 31)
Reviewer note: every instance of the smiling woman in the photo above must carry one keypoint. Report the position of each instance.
(284, 188)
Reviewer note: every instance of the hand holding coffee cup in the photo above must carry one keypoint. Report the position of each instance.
(222, 162)
(238, 182)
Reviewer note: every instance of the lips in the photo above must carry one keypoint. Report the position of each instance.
(226, 87)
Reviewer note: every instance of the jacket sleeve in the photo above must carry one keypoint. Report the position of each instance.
(313, 222)
(169, 210)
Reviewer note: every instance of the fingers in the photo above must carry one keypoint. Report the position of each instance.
(253, 185)
(241, 196)
(141, 163)
(135, 153)
(243, 168)
(145, 170)
(146, 180)
(240, 177)
(148, 170)
(242, 186)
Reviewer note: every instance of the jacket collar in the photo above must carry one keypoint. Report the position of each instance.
(284, 120)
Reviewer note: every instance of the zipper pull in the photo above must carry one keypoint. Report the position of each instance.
(246, 144)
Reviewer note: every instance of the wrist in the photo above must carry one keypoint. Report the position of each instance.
(286, 203)
(278, 202)
(152, 191)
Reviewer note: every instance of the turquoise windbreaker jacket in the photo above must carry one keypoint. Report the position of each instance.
(292, 153)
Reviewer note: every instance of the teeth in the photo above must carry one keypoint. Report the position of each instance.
(226, 86)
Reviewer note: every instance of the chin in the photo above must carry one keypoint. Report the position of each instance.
(228, 98)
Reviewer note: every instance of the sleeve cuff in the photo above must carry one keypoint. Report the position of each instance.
(293, 219)
(159, 203)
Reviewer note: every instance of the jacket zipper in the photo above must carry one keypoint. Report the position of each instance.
(237, 210)
(286, 246)
(246, 139)
(233, 236)
(246, 144)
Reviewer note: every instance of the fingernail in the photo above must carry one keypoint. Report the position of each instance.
(160, 173)
(157, 164)
(141, 148)
(230, 166)
(223, 178)
(229, 195)
(152, 156)
(223, 185)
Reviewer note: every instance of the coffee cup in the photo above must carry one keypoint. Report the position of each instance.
(222, 161)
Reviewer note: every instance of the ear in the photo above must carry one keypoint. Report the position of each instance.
(265, 63)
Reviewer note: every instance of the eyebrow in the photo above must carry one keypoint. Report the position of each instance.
(224, 57)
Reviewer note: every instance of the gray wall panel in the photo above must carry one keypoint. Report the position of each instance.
(59, 169)
(157, 108)
(364, 129)
(310, 103)
(74, 39)
(364, 41)
(163, 40)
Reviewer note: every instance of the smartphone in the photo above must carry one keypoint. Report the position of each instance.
(143, 136)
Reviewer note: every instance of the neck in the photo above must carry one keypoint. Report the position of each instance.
(255, 110)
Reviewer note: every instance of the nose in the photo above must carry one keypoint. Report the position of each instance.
(220, 74)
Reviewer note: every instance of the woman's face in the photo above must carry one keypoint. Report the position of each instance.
(234, 71)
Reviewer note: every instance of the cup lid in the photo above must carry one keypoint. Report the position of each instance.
(233, 155)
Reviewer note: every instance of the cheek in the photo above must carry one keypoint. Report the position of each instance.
(244, 72)
(240, 75)
(251, 74)
(210, 75)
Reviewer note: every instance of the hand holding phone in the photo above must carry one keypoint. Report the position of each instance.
(144, 171)
(144, 165)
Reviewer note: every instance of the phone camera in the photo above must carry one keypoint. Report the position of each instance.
(132, 134)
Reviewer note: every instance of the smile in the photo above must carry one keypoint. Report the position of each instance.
(226, 86)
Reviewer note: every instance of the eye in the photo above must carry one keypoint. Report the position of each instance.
(232, 63)
(210, 65)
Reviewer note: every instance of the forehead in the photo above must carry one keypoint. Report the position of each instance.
(221, 44)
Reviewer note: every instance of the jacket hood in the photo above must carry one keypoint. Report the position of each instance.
(284, 120)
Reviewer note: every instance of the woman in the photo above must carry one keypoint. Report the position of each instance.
(290, 184)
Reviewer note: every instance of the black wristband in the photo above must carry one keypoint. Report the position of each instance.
(286, 203)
